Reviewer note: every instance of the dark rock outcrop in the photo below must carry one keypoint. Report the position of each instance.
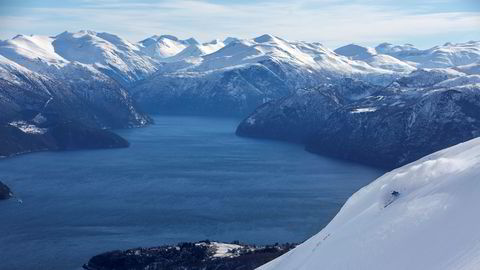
(229, 93)
(39, 112)
(191, 256)
(5, 192)
(296, 117)
(60, 136)
(387, 127)
(392, 136)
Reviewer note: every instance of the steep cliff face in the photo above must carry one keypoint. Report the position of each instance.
(398, 132)
(244, 74)
(296, 117)
(34, 105)
(386, 127)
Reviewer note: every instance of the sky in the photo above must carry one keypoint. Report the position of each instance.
(334, 23)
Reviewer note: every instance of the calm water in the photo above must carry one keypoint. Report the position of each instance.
(182, 179)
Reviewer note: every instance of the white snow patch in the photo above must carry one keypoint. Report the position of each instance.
(363, 110)
(223, 250)
(28, 128)
(251, 121)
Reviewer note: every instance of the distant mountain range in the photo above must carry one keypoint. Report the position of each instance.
(95, 81)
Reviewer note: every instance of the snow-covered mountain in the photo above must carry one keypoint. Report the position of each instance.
(59, 55)
(168, 74)
(245, 73)
(46, 98)
(420, 216)
(395, 50)
(447, 55)
(101, 101)
(103, 76)
(164, 46)
(378, 60)
(20, 89)
(418, 114)
(196, 50)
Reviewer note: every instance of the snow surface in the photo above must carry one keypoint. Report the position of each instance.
(420, 216)
(162, 68)
(28, 128)
(374, 59)
(64, 53)
(447, 55)
(14, 73)
(312, 57)
(129, 62)
(363, 110)
(458, 81)
(222, 250)
(159, 47)
(196, 50)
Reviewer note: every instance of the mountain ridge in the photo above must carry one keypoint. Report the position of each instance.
(104, 81)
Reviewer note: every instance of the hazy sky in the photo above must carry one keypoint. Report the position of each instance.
(333, 22)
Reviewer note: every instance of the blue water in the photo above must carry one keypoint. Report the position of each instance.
(182, 179)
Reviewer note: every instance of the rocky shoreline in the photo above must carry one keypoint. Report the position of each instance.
(203, 255)
(57, 137)
(5, 192)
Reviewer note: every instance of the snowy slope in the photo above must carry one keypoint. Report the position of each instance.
(373, 58)
(33, 52)
(420, 216)
(119, 58)
(20, 88)
(458, 81)
(196, 50)
(312, 56)
(473, 68)
(447, 55)
(114, 56)
(164, 72)
(391, 49)
(160, 47)
(68, 71)
(15, 73)
(245, 73)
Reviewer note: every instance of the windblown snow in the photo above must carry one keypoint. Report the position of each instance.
(420, 216)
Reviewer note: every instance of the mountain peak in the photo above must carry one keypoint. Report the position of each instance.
(391, 49)
(384, 44)
(81, 33)
(355, 51)
(264, 38)
(215, 41)
(86, 32)
(192, 41)
(170, 37)
(18, 36)
(230, 40)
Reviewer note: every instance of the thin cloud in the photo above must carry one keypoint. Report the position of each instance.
(333, 22)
